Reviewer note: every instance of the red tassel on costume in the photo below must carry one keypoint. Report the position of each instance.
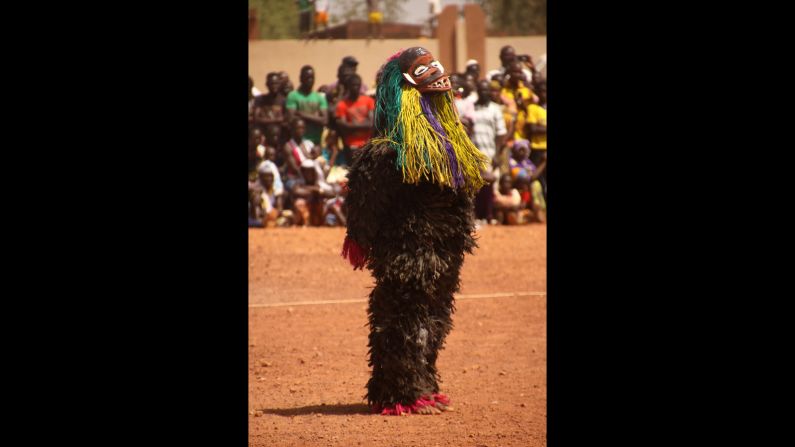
(354, 253)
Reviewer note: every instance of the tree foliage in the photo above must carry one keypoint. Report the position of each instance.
(278, 19)
(517, 17)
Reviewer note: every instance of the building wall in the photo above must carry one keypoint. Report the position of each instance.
(325, 55)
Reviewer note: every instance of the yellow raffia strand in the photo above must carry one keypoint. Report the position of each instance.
(470, 160)
(424, 156)
(421, 152)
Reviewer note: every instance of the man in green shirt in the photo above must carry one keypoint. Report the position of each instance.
(310, 106)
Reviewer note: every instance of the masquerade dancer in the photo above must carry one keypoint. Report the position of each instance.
(409, 210)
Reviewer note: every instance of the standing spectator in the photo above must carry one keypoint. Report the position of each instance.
(516, 91)
(464, 97)
(305, 13)
(321, 14)
(508, 57)
(488, 134)
(375, 17)
(336, 90)
(270, 108)
(536, 128)
(330, 150)
(310, 106)
(507, 105)
(253, 92)
(473, 68)
(354, 117)
(287, 84)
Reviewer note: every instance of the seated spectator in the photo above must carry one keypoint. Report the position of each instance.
(334, 210)
(265, 199)
(507, 201)
(532, 207)
(525, 175)
(321, 161)
(269, 163)
(296, 151)
(255, 140)
(309, 196)
(519, 163)
(273, 145)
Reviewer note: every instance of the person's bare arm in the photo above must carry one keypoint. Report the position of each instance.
(321, 119)
(291, 113)
(540, 168)
(260, 117)
(279, 204)
(288, 155)
(367, 123)
(535, 129)
(499, 141)
(334, 152)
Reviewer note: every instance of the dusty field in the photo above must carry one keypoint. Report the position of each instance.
(308, 350)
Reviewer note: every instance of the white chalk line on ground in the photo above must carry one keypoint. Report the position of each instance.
(364, 300)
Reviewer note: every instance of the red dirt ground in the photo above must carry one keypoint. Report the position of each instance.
(308, 362)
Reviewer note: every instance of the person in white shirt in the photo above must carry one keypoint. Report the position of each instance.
(488, 135)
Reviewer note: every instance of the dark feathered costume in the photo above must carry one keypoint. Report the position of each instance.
(409, 210)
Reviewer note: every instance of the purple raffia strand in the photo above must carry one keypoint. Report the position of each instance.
(458, 178)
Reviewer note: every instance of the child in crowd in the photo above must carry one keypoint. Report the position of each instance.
(309, 193)
(525, 176)
(296, 151)
(265, 200)
(507, 201)
(334, 210)
(255, 140)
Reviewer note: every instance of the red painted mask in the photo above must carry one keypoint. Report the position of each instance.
(422, 71)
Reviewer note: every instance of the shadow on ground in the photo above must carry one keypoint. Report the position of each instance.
(319, 409)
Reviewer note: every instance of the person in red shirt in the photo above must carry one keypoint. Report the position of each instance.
(354, 117)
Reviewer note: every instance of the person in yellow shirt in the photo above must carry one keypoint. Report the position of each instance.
(536, 128)
(515, 90)
(375, 17)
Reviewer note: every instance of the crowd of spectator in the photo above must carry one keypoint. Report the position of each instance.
(301, 141)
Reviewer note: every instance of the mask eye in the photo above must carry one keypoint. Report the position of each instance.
(420, 70)
(438, 65)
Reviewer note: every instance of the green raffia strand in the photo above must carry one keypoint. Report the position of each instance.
(387, 101)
